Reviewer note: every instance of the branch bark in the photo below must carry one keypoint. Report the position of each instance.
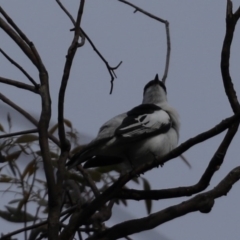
(202, 202)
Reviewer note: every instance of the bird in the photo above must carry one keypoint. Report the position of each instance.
(130, 139)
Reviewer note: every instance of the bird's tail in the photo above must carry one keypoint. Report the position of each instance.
(79, 157)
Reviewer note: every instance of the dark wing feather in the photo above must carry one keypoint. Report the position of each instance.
(145, 119)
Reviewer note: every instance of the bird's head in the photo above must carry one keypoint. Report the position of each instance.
(155, 92)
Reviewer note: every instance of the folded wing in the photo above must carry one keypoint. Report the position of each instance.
(143, 121)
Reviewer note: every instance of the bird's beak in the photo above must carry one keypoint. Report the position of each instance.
(156, 79)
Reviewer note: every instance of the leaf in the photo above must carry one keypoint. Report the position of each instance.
(43, 202)
(2, 158)
(53, 129)
(14, 215)
(9, 120)
(30, 169)
(23, 201)
(15, 201)
(13, 156)
(136, 180)
(26, 138)
(76, 149)
(68, 123)
(11, 165)
(52, 154)
(1, 128)
(5, 179)
(71, 135)
(148, 202)
(96, 176)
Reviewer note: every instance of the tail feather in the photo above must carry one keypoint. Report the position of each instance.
(101, 161)
(78, 158)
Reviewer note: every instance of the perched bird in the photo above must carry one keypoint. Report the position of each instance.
(140, 135)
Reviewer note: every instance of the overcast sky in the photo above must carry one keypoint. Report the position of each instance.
(194, 84)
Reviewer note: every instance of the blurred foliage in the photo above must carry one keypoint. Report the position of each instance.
(22, 176)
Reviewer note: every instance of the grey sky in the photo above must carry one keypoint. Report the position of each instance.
(194, 84)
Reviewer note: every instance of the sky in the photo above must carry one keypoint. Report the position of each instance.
(194, 85)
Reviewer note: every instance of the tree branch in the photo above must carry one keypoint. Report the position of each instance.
(202, 184)
(110, 69)
(231, 21)
(18, 133)
(78, 218)
(20, 68)
(18, 84)
(17, 39)
(137, 9)
(202, 202)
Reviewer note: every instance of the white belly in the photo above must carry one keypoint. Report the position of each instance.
(155, 146)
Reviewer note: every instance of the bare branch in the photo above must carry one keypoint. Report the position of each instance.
(67, 68)
(15, 27)
(185, 160)
(231, 21)
(138, 9)
(110, 69)
(65, 145)
(18, 133)
(26, 115)
(202, 202)
(89, 180)
(20, 68)
(18, 84)
(15, 37)
(203, 183)
(66, 11)
(79, 218)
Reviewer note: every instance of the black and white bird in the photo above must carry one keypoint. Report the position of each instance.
(140, 135)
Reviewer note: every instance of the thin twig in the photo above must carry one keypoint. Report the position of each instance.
(185, 160)
(110, 69)
(19, 84)
(66, 11)
(89, 180)
(14, 26)
(18, 133)
(26, 115)
(138, 9)
(20, 68)
(7, 236)
(17, 39)
(202, 202)
(231, 21)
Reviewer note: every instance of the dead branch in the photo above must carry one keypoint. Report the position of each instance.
(20, 68)
(18, 133)
(202, 202)
(18, 84)
(137, 9)
(110, 69)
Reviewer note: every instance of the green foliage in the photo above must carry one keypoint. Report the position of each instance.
(22, 176)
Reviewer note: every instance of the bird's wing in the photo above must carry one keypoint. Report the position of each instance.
(106, 132)
(142, 121)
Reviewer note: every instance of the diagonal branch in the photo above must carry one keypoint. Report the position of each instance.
(26, 115)
(202, 202)
(78, 218)
(110, 69)
(19, 84)
(20, 68)
(18, 133)
(17, 39)
(231, 21)
(202, 184)
(138, 9)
